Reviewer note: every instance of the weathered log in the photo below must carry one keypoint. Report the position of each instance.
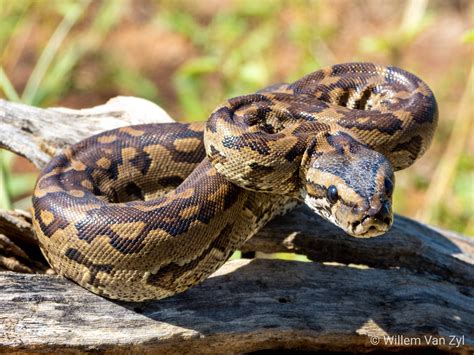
(246, 306)
(411, 289)
(408, 244)
(19, 249)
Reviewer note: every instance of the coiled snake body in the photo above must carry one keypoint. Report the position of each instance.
(144, 212)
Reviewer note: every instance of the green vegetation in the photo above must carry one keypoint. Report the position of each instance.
(189, 57)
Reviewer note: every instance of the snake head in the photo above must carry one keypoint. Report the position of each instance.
(349, 185)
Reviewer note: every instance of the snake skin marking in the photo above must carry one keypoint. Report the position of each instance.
(147, 211)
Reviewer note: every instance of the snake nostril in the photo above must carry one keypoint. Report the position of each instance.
(355, 224)
(383, 215)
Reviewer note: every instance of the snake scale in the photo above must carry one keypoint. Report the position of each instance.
(147, 211)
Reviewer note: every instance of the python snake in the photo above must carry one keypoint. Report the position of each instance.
(144, 212)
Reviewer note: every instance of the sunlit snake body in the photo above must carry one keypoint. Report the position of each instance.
(144, 212)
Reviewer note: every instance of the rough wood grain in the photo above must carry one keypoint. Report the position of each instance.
(19, 250)
(246, 306)
(415, 284)
(408, 244)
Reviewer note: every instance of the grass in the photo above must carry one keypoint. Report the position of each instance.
(76, 53)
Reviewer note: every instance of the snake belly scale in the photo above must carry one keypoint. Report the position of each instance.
(145, 212)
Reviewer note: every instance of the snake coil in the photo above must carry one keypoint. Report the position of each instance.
(144, 212)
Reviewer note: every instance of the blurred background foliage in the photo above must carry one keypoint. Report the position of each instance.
(189, 56)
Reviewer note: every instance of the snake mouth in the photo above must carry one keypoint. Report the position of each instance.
(369, 227)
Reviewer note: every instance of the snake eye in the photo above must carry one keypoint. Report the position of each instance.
(332, 194)
(388, 185)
